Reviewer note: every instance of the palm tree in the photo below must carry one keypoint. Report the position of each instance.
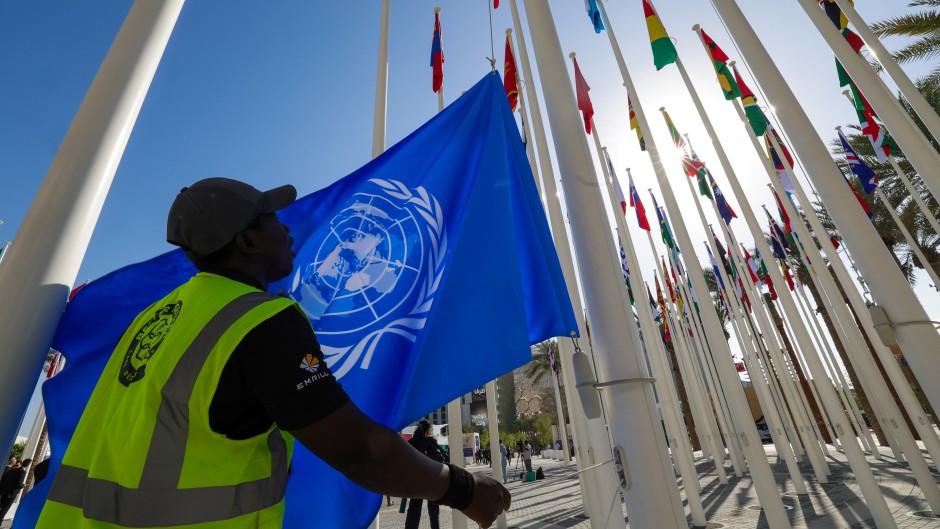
(541, 366)
(923, 27)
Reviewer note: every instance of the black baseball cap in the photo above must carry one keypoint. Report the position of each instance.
(208, 214)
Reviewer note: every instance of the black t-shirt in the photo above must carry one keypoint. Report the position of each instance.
(276, 375)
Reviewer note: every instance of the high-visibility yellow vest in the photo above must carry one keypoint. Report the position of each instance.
(143, 454)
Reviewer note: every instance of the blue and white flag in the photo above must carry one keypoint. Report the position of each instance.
(432, 262)
(866, 175)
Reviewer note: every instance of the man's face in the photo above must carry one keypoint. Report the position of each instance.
(275, 244)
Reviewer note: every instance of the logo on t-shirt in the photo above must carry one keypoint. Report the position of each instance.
(310, 363)
(146, 342)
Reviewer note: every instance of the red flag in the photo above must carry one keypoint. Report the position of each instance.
(672, 293)
(437, 55)
(495, 4)
(584, 100)
(739, 366)
(783, 213)
(509, 76)
(787, 276)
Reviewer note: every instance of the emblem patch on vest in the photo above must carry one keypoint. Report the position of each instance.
(146, 341)
(310, 363)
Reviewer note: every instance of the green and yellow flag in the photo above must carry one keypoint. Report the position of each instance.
(635, 125)
(664, 52)
(755, 116)
(720, 61)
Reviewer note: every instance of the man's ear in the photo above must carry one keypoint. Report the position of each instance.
(246, 243)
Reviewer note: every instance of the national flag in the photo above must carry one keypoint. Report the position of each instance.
(437, 55)
(495, 4)
(638, 205)
(659, 296)
(616, 182)
(635, 125)
(657, 314)
(688, 284)
(739, 367)
(861, 201)
(783, 212)
(720, 62)
(724, 208)
(675, 247)
(778, 234)
(584, 100)
(834, 13)
(882, 142)
(594, 14)
(509, 76)
(711, 259)
(786, 274)
(625, 268)
(432, 203)
(782, 173)
(866, 175)
(663, 227)
(835, 241)
(752, 266)
(672, 292)
(702, 174)
(755, 116)
(765, 276)
(664, 51)
(776, 246)
(687, 165)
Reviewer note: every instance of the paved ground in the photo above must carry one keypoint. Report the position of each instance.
(555, 502)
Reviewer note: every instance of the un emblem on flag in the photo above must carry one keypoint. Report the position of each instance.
(374, 273)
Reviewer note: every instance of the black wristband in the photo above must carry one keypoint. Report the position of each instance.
(460, 490)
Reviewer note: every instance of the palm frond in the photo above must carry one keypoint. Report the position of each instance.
(910, 25)
(924, 48)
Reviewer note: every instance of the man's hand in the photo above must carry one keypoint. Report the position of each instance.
(490, 499)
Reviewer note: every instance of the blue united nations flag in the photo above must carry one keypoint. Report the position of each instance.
(426, 273)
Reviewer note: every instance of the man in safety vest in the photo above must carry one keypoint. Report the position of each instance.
(191, 420)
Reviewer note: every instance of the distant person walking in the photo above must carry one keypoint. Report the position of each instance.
(423, 442)
(10, 485)
(527, 456)
(504, 460)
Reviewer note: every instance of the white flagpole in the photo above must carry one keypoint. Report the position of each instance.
(592, 446)
(915, 194)
(910, 138)
(816, 257)
(716, 423)
(825, 282)
(856, 346)
(562, 427)
(920, 105)
(764, 325)
(764, 395)
(776, 276)
(636, 432)
(825, 352)
(62, 217)
(381, 85)
(917, 337)
(857, 350)
(757, 461)
(679, 437)
(707, 360)
(496, 459)
(529, 146)
(3, 253)
(909, 238)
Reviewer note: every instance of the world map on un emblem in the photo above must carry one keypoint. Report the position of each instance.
(366, 269)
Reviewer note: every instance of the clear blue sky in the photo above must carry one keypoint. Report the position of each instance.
(283, 92)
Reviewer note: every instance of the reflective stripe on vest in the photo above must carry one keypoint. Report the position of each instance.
(145, 506)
